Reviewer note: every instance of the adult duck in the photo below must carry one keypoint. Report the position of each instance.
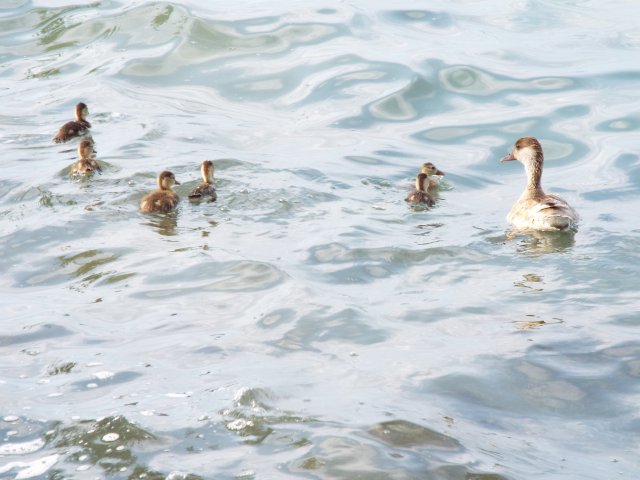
(536, 210)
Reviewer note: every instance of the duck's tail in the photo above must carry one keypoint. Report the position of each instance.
(560, 222)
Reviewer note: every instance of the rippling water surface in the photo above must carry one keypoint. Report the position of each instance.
(310, 324)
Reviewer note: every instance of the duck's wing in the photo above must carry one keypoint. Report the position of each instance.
(70, 130)
(202, 191)
(420, 197)
(550, 212)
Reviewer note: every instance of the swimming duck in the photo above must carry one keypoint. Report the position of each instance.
(430, 170)
(420, 193)
(536, 210)
(205, 190)
(86, 165)
(164, 199)
(75, 128)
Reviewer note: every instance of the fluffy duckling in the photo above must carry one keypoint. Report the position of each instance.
(420, 193)
(164, 199)
(86, 165)
(430, 170)
(75, 128)
(536, 210)
(206, 190)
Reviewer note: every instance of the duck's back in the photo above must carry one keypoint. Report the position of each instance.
(85, 166)
(162, 201)
(549, 212)
(70, 130)
(416, 196)
(204, 191)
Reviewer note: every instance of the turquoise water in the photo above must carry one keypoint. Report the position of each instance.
(310, 324)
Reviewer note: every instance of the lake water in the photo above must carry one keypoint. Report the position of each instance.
(311, 324)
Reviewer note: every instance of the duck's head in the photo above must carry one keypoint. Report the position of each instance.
(430, 169)
(166, 180)
(82, 111)
(422, 182)
(527, 150)
(85, 149)
(206, 169)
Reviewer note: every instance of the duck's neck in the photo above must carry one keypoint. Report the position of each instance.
(533, 167)
(421, 184)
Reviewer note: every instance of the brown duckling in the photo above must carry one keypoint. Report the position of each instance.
(206, 190)
(86, 165)
(536, 210)
(420, 193)
(430, 170)
(164, 199)
(75, 128)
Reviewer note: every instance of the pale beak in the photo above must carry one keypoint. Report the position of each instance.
(507, 158)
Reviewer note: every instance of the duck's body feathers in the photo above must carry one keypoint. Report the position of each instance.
(71, 130)
(162, 201)
(85, 166)
(550, 212)
(420, 197)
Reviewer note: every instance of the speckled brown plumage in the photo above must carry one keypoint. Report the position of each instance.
(86, 165)
(164, 199)
(206, 190)
(76, 127)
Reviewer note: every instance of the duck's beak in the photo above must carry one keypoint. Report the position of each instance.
(439, 172)
(175, 181)
(507, 158)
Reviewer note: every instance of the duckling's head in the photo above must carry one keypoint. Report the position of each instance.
(85, 149)
(430, 169)
(527, 150)
(422, 182)
(207, 171)
(82, 111)
(166, 180)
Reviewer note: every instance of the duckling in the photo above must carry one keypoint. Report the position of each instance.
(205, 190)
(74, 128)
(536, 210)
(164, 199)
(86, 165)
(430, 170)
(419, 193)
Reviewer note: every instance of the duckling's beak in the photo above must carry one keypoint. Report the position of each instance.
(507, 158)
(176, 182)
(439, 172)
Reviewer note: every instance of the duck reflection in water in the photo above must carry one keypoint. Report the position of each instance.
(536, 243)
(165, 224)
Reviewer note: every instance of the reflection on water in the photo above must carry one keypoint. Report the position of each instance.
(534, 243)
(163, 223)
(309, 324)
